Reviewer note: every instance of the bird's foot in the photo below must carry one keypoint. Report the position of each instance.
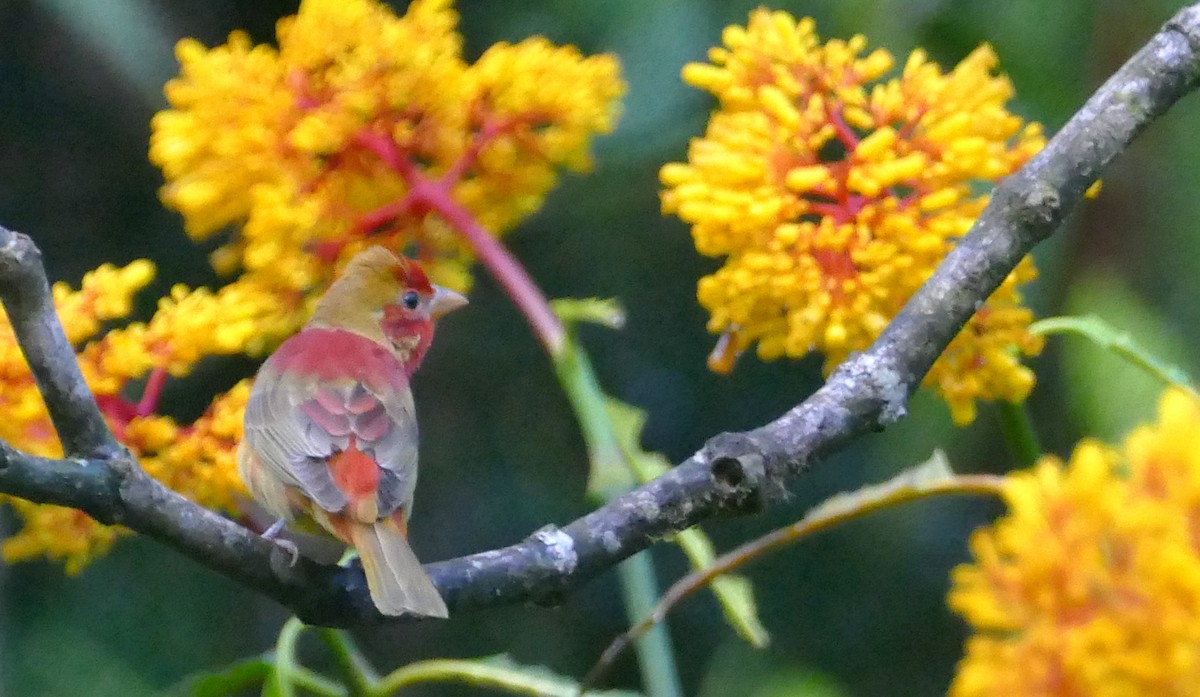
(272, 534)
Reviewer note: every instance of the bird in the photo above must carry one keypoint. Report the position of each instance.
(330, 425)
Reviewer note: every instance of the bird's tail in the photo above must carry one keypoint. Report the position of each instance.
(398, 584)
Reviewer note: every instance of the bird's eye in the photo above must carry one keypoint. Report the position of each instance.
(411, 299)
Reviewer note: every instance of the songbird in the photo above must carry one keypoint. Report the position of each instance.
(330, 426)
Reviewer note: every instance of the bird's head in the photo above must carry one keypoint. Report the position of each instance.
(389, 299)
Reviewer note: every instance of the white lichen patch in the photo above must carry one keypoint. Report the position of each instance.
(560, 547)
(894, 394)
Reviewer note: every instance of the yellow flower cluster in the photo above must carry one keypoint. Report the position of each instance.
(298, 145)
(196, 460)
(833, 194)
(1091, 584)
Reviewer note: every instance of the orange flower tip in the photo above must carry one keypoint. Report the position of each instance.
(724, 355)
(188, 49)
(225, 261)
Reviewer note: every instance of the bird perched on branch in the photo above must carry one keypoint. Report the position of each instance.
(330, 428)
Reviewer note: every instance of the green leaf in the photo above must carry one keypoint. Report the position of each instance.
(1113, 362)
(1118, 343)
(628, 422)
(735, 592)
(497, 672)
(931, 478)
(736, 670)
(233, 679)
(609, 474)
(603, 311)
(798, 683)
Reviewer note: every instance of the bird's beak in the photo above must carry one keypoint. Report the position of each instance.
(445, 301)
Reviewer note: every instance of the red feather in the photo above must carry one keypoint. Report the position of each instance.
(357, 475)
(338, 355)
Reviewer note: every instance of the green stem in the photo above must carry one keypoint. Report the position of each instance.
(287, 674)
(359, 674)
(472, 673)
(285, 657)
(654, 651)
(1019, 432)
(610, 475)
(316, 683)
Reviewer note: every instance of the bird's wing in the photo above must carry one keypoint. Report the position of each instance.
(298, 424)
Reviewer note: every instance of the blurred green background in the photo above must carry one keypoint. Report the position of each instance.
(855, 611)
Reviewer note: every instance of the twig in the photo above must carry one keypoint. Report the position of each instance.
(732, 474)
(820, 518)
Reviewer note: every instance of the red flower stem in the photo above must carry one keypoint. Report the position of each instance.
(153, 390)
(386, 150)
(383, 215)
(488, 133)
(503, 266)
(429, 195)
(836, 211)
(844, 133)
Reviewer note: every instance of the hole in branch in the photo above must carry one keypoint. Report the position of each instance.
(728, 470)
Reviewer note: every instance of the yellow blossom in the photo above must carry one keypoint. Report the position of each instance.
(54, 532)
(1091, 584)
(104, 294)
(545, 101)
(300, 147)
(209, 189)
(832, 194)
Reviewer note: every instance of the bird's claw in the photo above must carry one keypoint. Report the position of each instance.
(290, 547)
(272, 534)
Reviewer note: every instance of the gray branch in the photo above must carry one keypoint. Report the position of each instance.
(732, 474)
